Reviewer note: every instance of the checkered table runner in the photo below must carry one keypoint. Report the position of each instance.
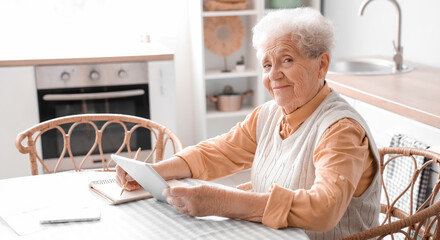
(138, 220)
(154, 217)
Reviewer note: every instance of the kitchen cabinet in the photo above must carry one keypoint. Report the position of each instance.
(162, 94)
(207, 67)
(384, 125)
(19, 106)
(396, 103)
(19, 109)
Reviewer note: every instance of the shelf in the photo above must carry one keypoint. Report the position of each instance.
(209, 79)
(229, 13)
(216, 74)
(212, 113)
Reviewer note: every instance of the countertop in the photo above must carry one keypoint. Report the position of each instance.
(415, 95)
(79, 54)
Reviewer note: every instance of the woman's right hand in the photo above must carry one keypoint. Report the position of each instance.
(172, 168)
(122, 177)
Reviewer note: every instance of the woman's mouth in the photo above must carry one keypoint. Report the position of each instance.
(279, 87)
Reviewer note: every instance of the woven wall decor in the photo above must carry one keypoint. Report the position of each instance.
(223, 35)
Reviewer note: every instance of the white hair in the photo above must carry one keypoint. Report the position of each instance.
(313, 31)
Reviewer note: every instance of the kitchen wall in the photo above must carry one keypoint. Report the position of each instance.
(79, 24)
(373, 33)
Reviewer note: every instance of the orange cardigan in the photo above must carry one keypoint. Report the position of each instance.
(342, 152)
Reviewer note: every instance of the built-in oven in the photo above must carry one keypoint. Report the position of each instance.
(92, 88)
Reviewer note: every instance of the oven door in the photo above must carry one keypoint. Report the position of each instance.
(127, 99)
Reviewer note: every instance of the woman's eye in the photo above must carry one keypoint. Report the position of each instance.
(288, 60)
(266, 66)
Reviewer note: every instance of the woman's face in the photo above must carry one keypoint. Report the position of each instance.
(291, 78)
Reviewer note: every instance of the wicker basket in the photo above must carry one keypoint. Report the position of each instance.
(224, 5)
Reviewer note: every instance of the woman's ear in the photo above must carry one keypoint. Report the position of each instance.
(324, 61)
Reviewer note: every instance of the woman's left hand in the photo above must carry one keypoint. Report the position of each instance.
(198, 201)
(206, 200)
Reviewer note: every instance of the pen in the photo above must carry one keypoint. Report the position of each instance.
(126, 181)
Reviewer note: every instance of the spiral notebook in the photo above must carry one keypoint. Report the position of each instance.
(111, 191)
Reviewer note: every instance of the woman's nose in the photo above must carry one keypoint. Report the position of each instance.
(275, 73)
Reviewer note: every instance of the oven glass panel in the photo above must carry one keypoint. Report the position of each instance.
(83, 135)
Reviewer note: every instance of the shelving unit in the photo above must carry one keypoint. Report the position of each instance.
(210, 80)
(229, 13)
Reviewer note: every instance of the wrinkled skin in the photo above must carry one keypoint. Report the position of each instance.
(291, 78)
(209, 200)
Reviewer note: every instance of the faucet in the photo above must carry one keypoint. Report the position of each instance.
(398, 50)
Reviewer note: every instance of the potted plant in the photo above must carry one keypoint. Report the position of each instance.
(240, 65)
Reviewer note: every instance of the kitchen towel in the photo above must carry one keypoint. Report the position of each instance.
(398, 174)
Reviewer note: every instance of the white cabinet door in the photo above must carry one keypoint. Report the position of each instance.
(162, 94)
(384, 125)
(19, 110)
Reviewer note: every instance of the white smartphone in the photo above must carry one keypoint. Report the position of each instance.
(70, 215)
(144, 174)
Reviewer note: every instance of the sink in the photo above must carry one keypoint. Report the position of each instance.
(365, 66)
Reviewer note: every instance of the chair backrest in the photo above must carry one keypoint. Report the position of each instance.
(403, 172)
(401, 220)
(97, 125)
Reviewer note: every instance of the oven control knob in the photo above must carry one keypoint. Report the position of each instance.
(94, 75)
(65, 76)
(122, 73)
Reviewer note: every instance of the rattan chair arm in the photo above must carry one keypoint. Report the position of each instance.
(407, 151)
(19, 143)
(394, 227)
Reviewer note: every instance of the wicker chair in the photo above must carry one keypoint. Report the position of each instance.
(96, 124)
(421, 223)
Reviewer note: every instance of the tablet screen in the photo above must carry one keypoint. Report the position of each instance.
(144, 174)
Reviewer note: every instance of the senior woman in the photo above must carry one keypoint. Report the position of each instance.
(314, 163)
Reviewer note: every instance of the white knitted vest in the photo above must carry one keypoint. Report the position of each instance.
(289, 162)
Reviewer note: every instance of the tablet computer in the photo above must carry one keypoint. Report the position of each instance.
(144, 174)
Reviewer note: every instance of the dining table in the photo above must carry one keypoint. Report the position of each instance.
(22, 199)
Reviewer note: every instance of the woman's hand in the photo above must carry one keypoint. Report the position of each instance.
(122, 177)
(196, 201)
(205, 200)
(172, 168)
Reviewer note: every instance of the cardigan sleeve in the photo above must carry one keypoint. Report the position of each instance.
(225, 154)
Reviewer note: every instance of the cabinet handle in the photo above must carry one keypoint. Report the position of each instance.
(161, 82)
(93, 96)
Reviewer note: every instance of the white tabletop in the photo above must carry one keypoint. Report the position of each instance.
(144, 219)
